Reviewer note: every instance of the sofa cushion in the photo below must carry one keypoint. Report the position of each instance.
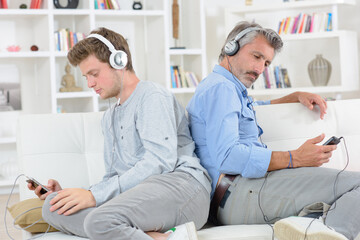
(27, 213)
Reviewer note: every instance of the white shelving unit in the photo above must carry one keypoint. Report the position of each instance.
(338, 46)
(148, 32)
(192, 37)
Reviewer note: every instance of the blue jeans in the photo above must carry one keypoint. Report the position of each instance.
(157, 204)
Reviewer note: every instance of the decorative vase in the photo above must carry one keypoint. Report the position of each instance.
(319, 71)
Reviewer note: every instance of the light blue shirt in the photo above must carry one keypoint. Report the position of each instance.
(224, 128)
(146, 135)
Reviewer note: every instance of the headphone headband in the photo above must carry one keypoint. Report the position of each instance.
(118, 58)
(102, 39)
(232, 46)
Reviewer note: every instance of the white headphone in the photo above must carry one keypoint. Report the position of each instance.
(232, 46)
(118, 58)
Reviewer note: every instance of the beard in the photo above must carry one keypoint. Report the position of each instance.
(248, 78)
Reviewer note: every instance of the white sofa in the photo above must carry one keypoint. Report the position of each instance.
(69, 147)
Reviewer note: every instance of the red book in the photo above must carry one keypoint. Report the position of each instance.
(38, 4)
(32, 4)
(302, 23)
(4, 4)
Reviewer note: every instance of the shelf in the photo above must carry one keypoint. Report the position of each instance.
(317, 35)
(59, 12)
(7, 140)
(83, 94)
(129, 13)
(23, 12)
(289, 5)
(185, 51)
(29, 54)
(182, 90)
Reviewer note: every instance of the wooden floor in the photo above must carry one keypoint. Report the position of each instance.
(14, 233)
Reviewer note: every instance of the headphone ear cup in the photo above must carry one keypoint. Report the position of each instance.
(118, 59)
(231, 47)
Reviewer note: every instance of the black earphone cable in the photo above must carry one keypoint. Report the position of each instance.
(31, 209)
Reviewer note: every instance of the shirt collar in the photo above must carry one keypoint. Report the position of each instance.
(229, 76)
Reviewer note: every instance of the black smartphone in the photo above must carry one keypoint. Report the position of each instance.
(332, 141)
(36, 184)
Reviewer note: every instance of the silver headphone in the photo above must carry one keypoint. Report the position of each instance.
(118, 58)
(232, 46)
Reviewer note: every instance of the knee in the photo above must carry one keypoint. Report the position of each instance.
(100, 223)
(46, 213)
(94, 225)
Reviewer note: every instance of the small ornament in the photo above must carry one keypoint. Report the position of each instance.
(68, 81)
(319, 71)
(13, 48)
(248, 2)
(70, 4)
(23, 6)
(137, 5)
(34, 48)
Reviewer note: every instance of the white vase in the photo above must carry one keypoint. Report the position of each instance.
(319, 70)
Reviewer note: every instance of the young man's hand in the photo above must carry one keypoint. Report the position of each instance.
(71, 200)
(53, 186)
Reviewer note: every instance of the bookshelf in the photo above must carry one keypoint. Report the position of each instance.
(339, 46)
(191, 36)
(148, 32)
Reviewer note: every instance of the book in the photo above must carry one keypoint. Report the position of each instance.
(285, 77)
(277, 77)
(115, 4)
(281, 26)
(329, 22)
(296, 23)
(287, 24)
(38, 4)
(308, 24)
(172, 76)
(4, 4)
(177, 77)
(304, 16)
(184, 83)
(193, 78)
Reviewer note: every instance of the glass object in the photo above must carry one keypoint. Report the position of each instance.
(319, 70)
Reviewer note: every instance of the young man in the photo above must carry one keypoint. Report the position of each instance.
(153, 179)
(252, 184)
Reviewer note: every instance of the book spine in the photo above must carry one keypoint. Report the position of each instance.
(172, 75)
(302, 23)
(38, 4)
(329, 22)
(4, 4)
(115, 4)
(177, 80)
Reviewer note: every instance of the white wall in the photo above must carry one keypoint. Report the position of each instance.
(216, 33)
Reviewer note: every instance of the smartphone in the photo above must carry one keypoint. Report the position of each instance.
(36, 184)
(332, 141)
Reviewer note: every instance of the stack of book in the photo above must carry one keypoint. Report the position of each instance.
(182, 79)
(107, 4)
(66, 39)
(3, 4)
(304, 23)
(273, 77)
(35, 4)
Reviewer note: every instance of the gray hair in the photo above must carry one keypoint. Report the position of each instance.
(271, 36)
